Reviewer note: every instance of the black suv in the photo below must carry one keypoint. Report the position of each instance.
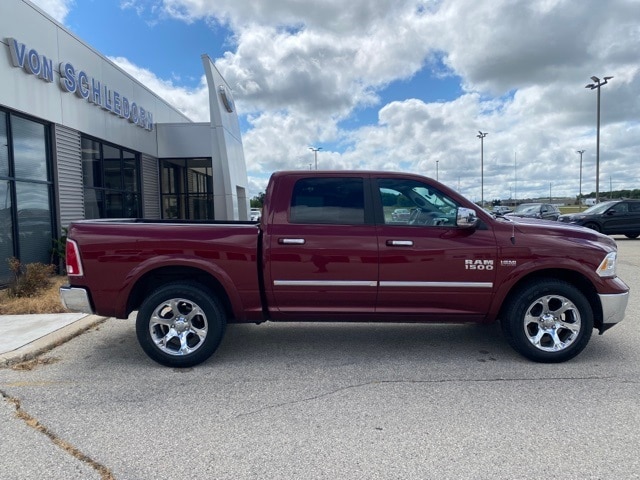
(614, 217)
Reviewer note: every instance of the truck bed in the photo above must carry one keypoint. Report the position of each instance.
(158, 250)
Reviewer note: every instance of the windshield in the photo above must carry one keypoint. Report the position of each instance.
(527, 208)
(599, 208)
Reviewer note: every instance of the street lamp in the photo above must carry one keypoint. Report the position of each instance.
(597, 83)
(580, 194)
(481, 137)
(515, 178)
(437, 161)
(315, 154)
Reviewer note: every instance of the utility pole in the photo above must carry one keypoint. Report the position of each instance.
(596, 86)
(481, 137)
(580, 194)
(315, 154)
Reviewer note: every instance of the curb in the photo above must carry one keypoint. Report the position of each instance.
(50, 341)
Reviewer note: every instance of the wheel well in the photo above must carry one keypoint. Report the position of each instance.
(574, 278)
(162, 276)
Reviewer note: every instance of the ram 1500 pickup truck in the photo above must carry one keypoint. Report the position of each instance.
(327, 248)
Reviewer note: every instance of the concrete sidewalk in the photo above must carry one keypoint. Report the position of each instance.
(26, 336)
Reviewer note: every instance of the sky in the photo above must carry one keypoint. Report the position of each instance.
(398, 85)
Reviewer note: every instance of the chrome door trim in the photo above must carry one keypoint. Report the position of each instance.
(325, 283)
(438, 284)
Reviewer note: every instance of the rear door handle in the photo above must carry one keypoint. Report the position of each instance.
(399, 243)
(291, 241)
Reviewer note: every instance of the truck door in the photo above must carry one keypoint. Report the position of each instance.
(322, 252)
(429, 267)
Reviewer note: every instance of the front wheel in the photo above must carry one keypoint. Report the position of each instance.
(593, 226)
(548, 321)
(632, 235)
(180, 325)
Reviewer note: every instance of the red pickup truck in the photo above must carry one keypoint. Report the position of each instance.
(327, 248)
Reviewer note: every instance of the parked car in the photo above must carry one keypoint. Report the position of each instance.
(400, 215)
(545, 211)
(614, 217)
(255, 214)
(500, 210)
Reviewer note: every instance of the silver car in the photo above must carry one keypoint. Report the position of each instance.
(545, 211)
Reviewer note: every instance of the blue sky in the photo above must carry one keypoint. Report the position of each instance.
(168, 47)
(397, 84)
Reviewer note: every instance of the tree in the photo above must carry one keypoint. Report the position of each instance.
(257, 201)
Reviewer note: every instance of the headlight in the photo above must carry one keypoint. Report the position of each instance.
(607, 267)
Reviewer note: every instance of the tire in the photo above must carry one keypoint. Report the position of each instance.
(632, 235)
(593, 226)
(180, 325)
(548, 321)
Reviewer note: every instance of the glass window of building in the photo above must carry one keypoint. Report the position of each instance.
(26, 221)
(111, 180)
(186, 186)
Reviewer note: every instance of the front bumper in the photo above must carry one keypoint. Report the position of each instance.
(613, 309)
(76, 299)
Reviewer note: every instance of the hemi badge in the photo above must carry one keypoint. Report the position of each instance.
(508, 263)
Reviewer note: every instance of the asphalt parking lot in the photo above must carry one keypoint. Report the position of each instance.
(334, 401)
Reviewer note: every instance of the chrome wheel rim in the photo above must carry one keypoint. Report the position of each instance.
(552, 323)
(178, 327)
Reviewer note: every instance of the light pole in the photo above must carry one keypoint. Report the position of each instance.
(515, 178)
(580, 194)
(481, 137)
(437, 161)
(596, 86)
(315, 154)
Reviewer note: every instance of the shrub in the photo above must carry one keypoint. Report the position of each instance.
(30, 279)
(58, 251)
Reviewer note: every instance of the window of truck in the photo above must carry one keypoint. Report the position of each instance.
(338, 201)
(427, 206)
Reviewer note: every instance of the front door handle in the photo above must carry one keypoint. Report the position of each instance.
(399, 243)
(291, 241)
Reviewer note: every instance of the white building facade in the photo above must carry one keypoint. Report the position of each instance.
(80, 138)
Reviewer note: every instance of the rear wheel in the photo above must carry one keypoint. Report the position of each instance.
(548, 321)
(632, 235)
(180, 325)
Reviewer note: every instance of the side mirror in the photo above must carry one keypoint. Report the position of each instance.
(466, 218)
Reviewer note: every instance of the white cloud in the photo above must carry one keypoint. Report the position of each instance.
(194, 103)
(303, 67)
(58, 9)
(302, 71)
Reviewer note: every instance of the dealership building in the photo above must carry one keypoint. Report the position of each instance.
(80, 138)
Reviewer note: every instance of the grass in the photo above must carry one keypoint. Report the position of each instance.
(46, 301)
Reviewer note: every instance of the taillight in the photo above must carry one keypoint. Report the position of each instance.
(74, 265)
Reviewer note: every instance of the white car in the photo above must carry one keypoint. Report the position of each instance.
(255, 214)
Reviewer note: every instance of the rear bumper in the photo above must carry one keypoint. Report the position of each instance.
(613, 309)
(76, 299)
